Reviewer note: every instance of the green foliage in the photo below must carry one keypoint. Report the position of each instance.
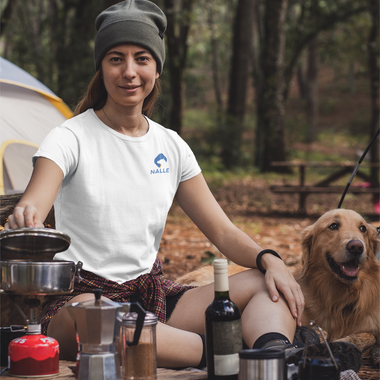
(209, 259)
(52, 40)
(346, 43)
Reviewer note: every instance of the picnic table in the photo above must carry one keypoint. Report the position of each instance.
(66, 373)
(325, 186)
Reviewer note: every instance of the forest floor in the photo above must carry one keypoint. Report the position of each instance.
(270, 219)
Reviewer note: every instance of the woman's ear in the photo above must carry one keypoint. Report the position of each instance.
(157, 75)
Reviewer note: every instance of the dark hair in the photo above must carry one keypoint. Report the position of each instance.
(96, 96)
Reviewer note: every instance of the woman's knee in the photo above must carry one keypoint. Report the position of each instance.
(246, 285)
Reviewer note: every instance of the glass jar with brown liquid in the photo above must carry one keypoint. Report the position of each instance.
(139, 362)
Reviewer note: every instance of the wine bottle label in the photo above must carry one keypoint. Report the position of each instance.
(226, 365)
(227, 342)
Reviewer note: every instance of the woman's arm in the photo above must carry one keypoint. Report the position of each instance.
(39, 196)
(196, 199)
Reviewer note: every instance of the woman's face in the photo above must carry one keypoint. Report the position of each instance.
(129, 74)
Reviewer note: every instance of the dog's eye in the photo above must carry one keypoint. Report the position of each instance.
(333, 226)
(363, 228)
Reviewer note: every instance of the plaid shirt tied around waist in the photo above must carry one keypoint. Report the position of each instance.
(149, 289)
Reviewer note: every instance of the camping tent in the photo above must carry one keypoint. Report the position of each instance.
(28, 111)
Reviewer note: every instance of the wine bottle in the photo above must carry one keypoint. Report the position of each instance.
(223, 329)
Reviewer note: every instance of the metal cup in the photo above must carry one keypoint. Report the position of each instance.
(262, 364)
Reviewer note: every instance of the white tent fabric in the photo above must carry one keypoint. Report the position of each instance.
(28, 111)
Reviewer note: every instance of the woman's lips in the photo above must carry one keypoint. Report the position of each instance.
(130, 88)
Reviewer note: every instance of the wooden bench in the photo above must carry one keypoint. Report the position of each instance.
(325, 186)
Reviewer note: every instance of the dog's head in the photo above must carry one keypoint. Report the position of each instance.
(342, 242)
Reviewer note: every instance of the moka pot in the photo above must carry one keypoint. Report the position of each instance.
(97, 325)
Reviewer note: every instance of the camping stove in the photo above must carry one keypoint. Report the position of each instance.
(33, 354)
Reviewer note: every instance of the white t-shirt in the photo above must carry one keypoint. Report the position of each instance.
(116, 192)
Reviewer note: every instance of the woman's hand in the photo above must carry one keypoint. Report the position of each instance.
(278, 278)
(38, 197)
(24, 216)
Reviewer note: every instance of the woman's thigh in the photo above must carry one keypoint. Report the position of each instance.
(189, 313)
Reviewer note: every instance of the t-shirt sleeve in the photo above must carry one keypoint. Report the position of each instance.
(60, 146)
(190, 166)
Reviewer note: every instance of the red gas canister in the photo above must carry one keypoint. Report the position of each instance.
(33, 354)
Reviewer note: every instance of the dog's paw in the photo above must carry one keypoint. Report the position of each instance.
(375, 355)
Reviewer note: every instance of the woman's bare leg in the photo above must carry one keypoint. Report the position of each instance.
(260, 314)
(178, 345)
(176, 348)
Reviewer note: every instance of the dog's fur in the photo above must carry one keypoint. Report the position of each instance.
(339, 275)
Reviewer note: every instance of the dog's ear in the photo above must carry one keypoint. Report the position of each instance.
(306, 244)
(374, 242)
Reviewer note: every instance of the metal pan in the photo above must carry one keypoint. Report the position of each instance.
(21, 243)
(38, 278)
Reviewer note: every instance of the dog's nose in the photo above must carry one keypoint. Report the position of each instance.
(355, 247)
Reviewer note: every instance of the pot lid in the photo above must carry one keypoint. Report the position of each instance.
(27, 241)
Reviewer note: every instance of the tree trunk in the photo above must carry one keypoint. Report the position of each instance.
(233, 129)
(312, 92)
(270, 144)
(176, 38)
(301, 82)
(309, 25)
(215, 62)
(351, 77)
(6, 15)
(373, 68)
(74, 55)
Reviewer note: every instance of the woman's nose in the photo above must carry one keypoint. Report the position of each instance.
(129, 70)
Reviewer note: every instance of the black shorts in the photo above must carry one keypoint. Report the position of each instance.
(171, 303)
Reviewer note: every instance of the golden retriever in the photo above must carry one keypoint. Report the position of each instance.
(339, 275)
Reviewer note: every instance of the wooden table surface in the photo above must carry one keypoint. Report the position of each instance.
(65, 372)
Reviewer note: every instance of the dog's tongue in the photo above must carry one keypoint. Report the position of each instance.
(350, 269)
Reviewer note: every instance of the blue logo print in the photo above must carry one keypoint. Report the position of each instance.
(159, 158)
(160, 161)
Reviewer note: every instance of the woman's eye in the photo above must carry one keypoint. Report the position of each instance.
(363, 228)
(333, 226)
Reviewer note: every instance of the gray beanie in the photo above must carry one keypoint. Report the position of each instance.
(138, 22)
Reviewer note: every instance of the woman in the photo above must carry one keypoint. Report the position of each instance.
(112, 174)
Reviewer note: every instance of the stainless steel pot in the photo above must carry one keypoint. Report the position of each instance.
(38, 278)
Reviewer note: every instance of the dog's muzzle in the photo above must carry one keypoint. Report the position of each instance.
(348, 270)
